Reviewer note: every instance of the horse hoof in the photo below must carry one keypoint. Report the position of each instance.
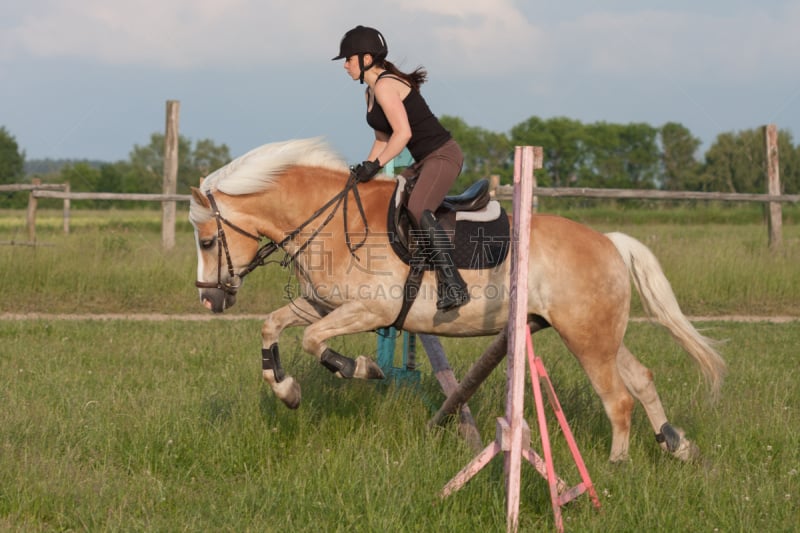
(674, 441)
(366, 368)
(687, 451)
(288, 391)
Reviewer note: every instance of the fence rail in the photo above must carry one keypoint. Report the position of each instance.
(135, 197)
(504, 192)
(61, 191)
(17, 187)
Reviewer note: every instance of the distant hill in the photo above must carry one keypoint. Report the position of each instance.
(48, 166)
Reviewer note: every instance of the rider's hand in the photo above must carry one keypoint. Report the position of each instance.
(366, 170)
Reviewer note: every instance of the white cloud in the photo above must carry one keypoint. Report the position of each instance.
(166, 33)
(483, 36)
(464, 38)
(475, 37)
(732, 47)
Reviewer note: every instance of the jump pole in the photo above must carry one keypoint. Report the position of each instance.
(513, 434)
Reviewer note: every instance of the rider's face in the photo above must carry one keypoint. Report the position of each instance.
(352, 67)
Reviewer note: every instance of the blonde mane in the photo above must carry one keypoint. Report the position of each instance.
(257, 169)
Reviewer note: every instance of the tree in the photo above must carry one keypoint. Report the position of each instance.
(680, 168)
(12, 161)
(485, 152)
(736, 162)
(147, 164)
(792, 179)
(203, 160)
(563, 142)
(112, 177)
(789, 163)
(620, 156)
(81, 176)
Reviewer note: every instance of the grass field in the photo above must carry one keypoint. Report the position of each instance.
(165, 426)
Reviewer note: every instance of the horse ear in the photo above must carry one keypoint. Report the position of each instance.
(200, 198)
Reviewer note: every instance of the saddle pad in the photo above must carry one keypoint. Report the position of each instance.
(481, 238)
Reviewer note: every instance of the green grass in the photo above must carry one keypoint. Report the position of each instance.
(166, 426)
(114, 262)
(120, 426)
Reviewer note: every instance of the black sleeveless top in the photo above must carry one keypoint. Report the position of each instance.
(427, 133)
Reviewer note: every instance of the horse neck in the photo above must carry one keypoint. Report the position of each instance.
(301, 192)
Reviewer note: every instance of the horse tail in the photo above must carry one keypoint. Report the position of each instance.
(660, 303)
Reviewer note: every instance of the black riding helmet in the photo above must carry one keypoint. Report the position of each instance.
(363, 40)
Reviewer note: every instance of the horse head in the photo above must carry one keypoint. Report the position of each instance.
(223, 257)
(227, 232)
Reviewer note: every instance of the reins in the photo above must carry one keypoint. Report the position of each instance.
(341, 199)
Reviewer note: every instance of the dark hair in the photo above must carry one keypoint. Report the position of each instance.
(415, 78)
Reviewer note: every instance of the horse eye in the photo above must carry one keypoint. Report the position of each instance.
(207, 244)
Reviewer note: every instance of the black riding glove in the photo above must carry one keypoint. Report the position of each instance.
(366, 170)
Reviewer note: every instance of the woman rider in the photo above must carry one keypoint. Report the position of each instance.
(401, 119)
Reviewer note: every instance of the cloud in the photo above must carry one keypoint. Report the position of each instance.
(736, 46)
(171, 34)
(463, 38)
(195, 33)
(474, 37)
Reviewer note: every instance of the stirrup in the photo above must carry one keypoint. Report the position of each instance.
(451, 293)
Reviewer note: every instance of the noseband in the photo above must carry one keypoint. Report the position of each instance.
(222, 245)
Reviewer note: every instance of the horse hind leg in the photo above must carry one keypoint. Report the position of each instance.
(639, 381)
(618, 405)
(605, 378)
(351, 317)
(342, 366)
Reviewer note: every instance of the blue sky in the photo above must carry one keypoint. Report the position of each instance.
(90, 78)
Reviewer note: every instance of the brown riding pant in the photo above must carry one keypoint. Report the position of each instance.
(435, 174)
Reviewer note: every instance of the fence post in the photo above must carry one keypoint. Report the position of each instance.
(494, 183)
(66, 209)
(168, 208)
(775, 222)
(30, 220)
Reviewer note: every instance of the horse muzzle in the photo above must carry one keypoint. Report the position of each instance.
(217, 298)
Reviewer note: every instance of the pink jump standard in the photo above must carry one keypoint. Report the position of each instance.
(513, 434)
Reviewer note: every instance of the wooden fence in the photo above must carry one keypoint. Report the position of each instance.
(62, 191)
(502, 192)
(168, 199)
(773, 197)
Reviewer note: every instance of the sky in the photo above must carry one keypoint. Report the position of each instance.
(89, 79)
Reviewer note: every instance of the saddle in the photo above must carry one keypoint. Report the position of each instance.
(477, 225)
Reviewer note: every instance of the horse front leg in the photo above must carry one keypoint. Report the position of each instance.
(353, 317)
(298, 313)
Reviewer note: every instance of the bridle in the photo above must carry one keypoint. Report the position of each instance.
(222, 245)
(267, 249)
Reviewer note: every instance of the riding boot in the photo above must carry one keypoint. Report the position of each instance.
(451, 289)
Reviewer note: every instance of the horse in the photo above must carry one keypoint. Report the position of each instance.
(335, 232)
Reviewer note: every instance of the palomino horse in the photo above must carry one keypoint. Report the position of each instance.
(300, 196)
